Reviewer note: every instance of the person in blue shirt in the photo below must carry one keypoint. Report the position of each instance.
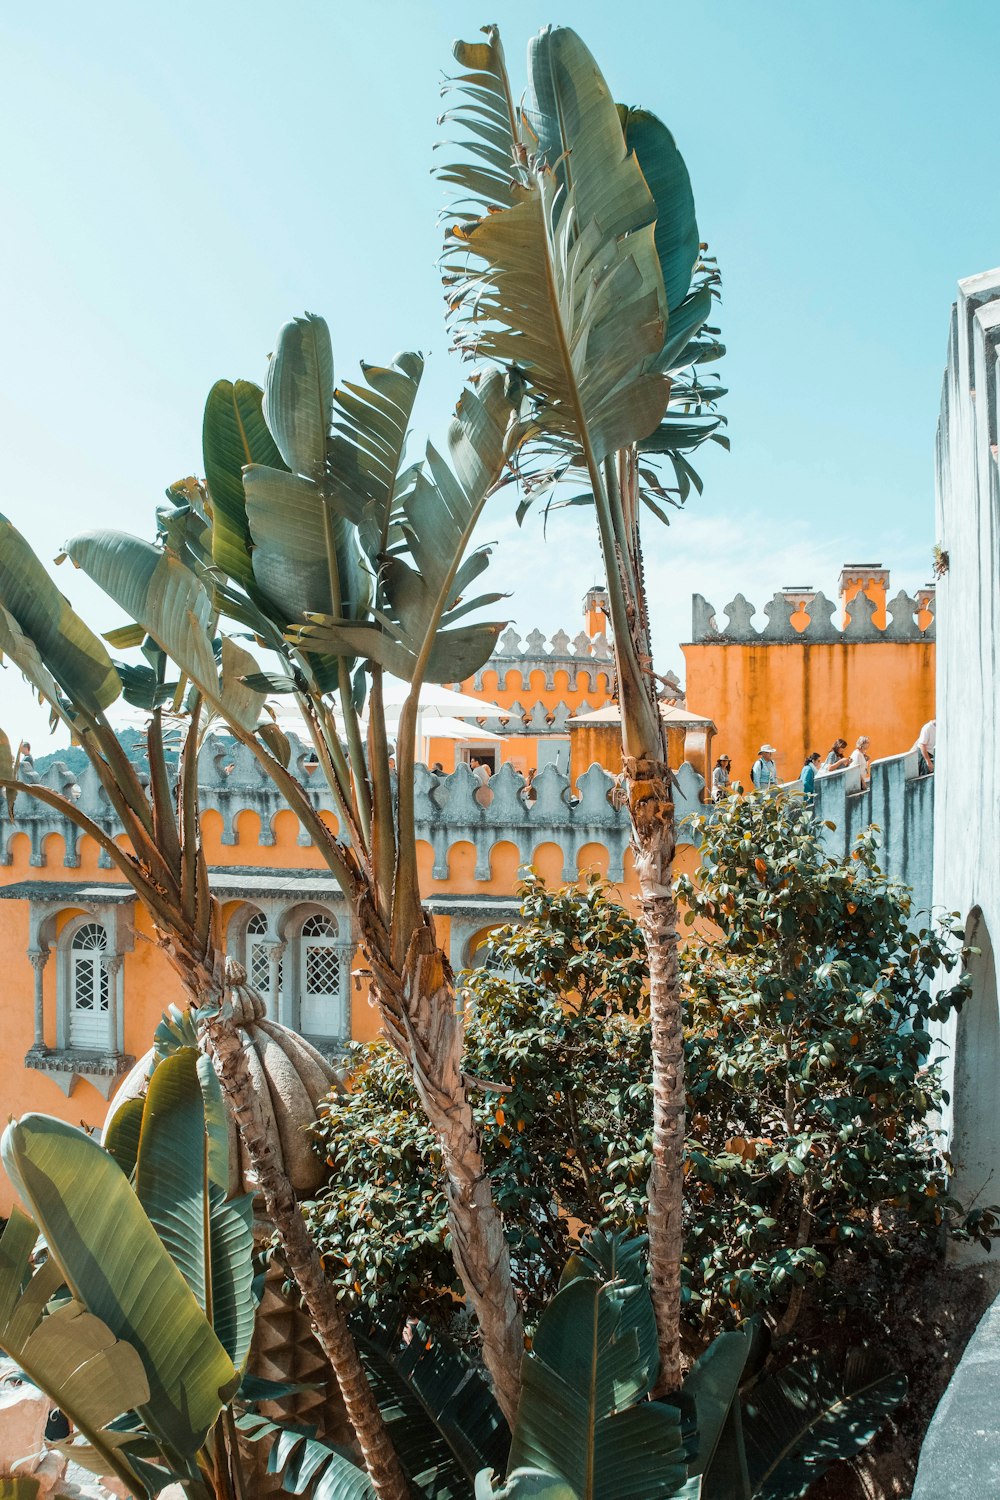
(765, 772)
(809, 774)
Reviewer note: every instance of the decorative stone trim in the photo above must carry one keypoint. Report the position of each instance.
(739, 629)
(67, 1068)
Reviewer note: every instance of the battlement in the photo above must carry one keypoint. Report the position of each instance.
(536, 652)
(801, 615)
(449, 809)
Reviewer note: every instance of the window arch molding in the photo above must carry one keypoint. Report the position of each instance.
(88, 1018)
(252, 941)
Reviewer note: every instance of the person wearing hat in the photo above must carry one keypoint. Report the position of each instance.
(720, 778)
(764, 773)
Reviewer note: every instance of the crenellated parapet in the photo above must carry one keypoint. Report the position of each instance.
(450, 809)
(813, 617)
(583, 654)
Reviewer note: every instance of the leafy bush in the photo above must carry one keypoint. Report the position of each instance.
(811, 1159)
(811, 1084)
(556, 1043)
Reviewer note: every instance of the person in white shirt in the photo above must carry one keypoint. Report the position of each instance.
(925, 746)
(859, 758)
(765, 772)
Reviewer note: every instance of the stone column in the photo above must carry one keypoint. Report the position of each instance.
(39, 958)
(112, 967)
(275, 953)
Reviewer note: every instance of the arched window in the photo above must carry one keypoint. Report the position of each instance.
(89, 1000)
(258, 962)
(324, 962)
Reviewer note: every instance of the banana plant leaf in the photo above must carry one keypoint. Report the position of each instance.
(487, 167)
(306, 1465)
(234, 434)
(120, 1137)
(713, 1384)
(367, 447)
(582, 1415)
(806, 1417)
(115, 1266)
(677, 238)
(298, 394)
(74, 655)
(443, 1420)
(68, 1353)
(573, 291)
(181, 1177)
(165, 597)
(422, 594)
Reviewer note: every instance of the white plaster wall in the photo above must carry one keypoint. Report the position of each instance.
(967, 790)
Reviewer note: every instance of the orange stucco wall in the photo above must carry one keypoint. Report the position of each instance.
(801, 697)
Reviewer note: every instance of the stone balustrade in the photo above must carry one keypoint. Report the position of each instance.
(449, 809)
(458, 808)
(820, 629)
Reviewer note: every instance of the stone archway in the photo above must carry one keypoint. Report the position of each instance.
(975, 1143)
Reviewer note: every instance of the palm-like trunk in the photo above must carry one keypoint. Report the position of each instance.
(653, 845)
(325, 1312)
(423, 1021)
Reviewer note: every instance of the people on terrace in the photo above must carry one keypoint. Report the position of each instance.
(809, 774)
(765, 772)
(835, 760)
(720, 778)
(861, 760)
(925, 745)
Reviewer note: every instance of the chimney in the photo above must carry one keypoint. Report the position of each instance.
(865, 578)
(595, 610)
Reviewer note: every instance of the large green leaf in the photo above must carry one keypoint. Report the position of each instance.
(422, 593)
(677, 238)
(578, 1416)
(234, 434)
(443, 1420)
(306, 1465)
(166, 598)
(288, 516)
(365, 453)
(115, 1266)
(69, 649)
(802, 1419)
(69, 1353)
(485, 110)
(209, 1240)
(155, 590)
(298, 394)
(570, 288)
(120, 1137)
(713, 1385)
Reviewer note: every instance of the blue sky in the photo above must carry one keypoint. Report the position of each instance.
(178, 180)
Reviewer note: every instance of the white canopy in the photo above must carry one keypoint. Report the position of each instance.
(435, 698)
(446, 728)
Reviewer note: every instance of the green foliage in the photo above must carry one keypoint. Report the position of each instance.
(810, 1076)
(815, 953)
(556, 1043)
(441, 1415)
(585, 1418)
(138, 1321)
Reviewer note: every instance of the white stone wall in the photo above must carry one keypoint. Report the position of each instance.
(967, 791)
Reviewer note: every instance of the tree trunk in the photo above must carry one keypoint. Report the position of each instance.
(653, 845)
(325, 1313)
(424, 1024)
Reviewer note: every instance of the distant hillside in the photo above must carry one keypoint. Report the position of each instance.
(132, 741)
